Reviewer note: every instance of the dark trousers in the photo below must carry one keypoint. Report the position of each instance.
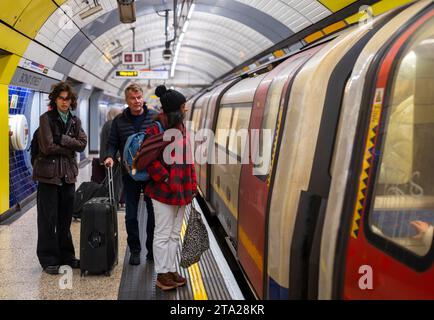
(132, 191)
(55, 206)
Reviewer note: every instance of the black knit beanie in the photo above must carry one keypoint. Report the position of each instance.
(171, 100)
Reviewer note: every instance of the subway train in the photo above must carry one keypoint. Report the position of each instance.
(340, 204)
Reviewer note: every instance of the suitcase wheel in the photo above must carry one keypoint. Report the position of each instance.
(107, 273)
(82, 273)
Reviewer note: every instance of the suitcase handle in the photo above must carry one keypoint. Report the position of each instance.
(111, 185)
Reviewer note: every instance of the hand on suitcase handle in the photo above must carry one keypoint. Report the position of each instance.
(108, 162)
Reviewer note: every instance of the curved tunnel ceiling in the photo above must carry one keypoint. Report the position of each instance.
(222, 34)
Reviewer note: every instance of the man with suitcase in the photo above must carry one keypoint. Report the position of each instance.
(136, 118)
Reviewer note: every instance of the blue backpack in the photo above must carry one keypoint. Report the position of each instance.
(132, 145)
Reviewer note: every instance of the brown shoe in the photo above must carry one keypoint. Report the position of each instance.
(165, 281)
(178, 279)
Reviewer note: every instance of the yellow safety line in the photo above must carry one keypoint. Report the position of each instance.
(196, 279)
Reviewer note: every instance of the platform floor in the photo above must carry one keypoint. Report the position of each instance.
(210, 279)
(21, 276)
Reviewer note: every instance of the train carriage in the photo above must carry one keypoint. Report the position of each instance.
(296, 218)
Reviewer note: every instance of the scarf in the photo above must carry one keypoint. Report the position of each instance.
(153, 146)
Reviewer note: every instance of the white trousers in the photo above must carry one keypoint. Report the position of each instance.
(168, 224)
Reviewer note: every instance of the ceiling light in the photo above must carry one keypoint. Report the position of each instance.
(180, 39)
(127, 11)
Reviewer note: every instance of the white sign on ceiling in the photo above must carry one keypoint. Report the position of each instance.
(133, 57)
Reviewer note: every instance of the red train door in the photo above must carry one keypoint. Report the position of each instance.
(254, 181)
(389, 252)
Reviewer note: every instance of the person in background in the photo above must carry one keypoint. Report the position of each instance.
(425, 232)
(137, 117)
(55, 169)
(103, 150)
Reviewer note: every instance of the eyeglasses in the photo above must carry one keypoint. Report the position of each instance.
(64, 98)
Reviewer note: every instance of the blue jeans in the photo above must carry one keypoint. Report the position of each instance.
(132, 191)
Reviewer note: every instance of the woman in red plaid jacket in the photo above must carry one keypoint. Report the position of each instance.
(173, 183)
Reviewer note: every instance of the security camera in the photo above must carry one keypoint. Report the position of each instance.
(167, 54)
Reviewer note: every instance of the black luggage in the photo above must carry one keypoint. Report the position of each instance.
(99, 234)
(85, 192)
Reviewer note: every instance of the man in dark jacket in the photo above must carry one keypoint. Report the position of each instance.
(136, 118)
(55, 168)
(104, 149)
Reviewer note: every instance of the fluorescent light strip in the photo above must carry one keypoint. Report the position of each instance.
(190, 13)
(180, 39)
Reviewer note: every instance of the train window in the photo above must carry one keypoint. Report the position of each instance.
(403, 210)
(223, 123)
(271, 111)
(237, 141)
(196, 118)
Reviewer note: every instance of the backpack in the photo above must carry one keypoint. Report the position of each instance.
(132, 145)
(34, 147)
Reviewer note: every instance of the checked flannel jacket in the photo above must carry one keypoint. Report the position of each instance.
(173, 184)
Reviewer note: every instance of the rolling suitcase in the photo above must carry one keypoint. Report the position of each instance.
(85, 192)
(99, 233)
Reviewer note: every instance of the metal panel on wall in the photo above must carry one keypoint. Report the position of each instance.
(32, 80)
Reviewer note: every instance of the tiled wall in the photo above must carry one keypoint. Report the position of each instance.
(20, 176)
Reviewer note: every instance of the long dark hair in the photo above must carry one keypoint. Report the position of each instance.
(174, 118)
(55, 93)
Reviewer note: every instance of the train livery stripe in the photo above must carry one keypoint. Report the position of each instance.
(196, 279)
(251, 249)
(367, 162)
(275, 143)
(375, 118)
(336, 5)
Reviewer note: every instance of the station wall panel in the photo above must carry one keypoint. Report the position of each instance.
(20, 174)
(10, 11)
(336, 5)
(4, 147)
